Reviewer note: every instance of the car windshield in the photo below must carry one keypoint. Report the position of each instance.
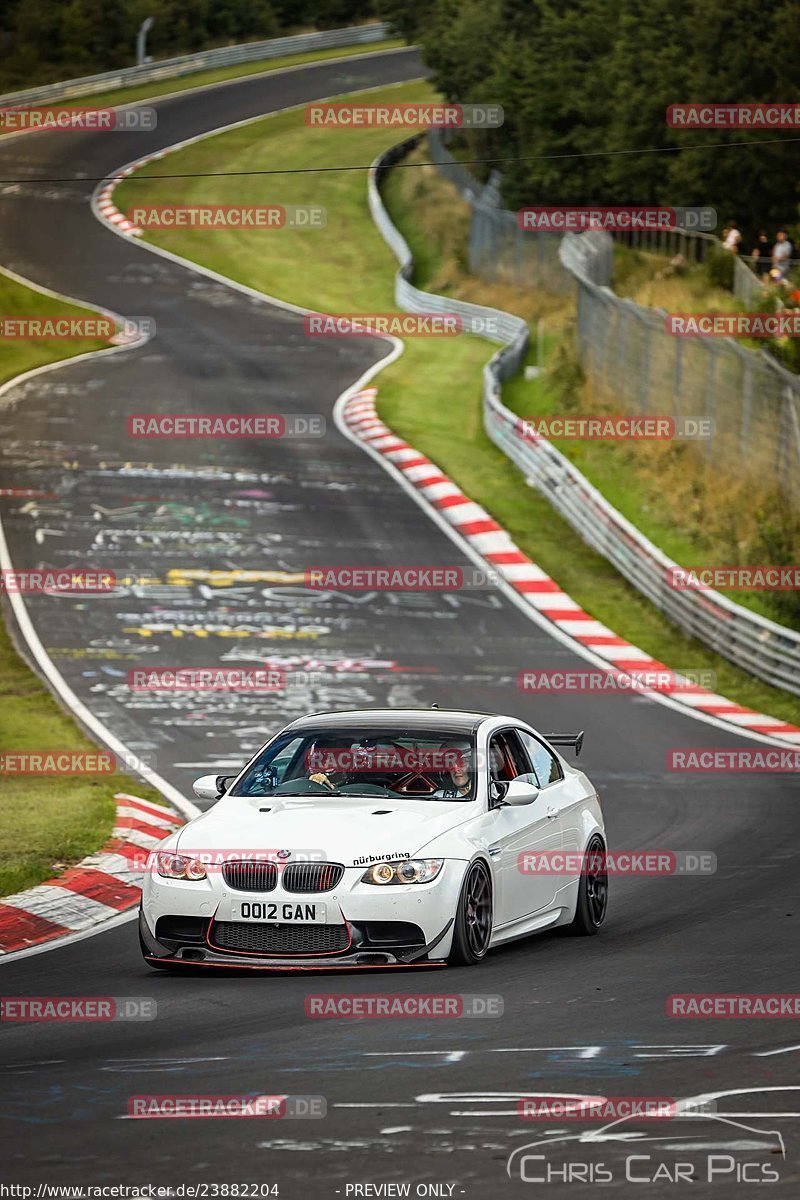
(392, 762)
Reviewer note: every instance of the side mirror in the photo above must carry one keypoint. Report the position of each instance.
(521, 791)
(211, 787)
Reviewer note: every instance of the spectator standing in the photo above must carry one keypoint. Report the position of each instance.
(782, 253)
(733, 238)
(762, 254)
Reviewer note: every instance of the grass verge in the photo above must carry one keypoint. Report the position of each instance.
(46, 823)
(432, 395)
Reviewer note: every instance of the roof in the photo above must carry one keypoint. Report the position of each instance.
(450, 720)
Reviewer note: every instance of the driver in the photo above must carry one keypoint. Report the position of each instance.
(317, 776)
(456, 782)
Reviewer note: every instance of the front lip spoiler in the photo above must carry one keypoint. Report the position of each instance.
(356, 962)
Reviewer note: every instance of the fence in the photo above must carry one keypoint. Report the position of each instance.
(511, 332)
(757, 645)
(187, 64)
(625, 348)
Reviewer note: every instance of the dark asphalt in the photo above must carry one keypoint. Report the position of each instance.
(419, 1102)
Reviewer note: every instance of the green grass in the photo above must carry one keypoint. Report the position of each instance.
(17, 356)
(649, 279)
(432, 395)
(46, 823)
(632, 478)
(166, 87)
(343, 267)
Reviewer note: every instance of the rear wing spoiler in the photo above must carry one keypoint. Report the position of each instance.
(566, 739)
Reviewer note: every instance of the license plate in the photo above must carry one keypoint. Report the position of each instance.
(288, 912)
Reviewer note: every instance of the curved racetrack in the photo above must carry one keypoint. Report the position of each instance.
(408, 1101)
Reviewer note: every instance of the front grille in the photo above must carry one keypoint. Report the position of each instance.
(252, 938)
(312, 877)
(251, 876)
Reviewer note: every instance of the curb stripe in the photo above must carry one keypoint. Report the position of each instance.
(495, 546)
(100, 886)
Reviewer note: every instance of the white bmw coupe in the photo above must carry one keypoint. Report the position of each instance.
(380, 839)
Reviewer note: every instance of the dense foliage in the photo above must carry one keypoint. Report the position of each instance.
(45, 40)
(578, 76)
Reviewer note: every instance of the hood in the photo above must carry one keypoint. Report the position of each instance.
(340, 829)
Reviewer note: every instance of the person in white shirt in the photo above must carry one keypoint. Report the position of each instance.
(782, 253)
(732, 238)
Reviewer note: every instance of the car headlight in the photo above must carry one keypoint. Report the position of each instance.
(179, 866)
(410, 870)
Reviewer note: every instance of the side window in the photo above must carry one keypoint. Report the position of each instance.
(545, 764)
(507, 759)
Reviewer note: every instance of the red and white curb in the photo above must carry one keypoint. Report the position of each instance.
(106, 206)
(98, 888)
(534, 585)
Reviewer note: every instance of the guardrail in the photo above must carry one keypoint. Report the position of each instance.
(625, 347)
(757, 645)
(494, 324)
(187, 64)
(499, 249)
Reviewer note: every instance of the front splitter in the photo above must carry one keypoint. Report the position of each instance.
(235, 963)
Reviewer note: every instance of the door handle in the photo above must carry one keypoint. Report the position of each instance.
(551, 812)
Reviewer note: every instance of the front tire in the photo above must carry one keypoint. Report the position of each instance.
(473, 925)
(590, 912)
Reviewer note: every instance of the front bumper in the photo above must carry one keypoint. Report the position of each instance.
(360, 954)
(351, 905)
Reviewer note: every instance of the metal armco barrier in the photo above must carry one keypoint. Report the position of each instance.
(626, 348)
(187, 64)
(757, 645)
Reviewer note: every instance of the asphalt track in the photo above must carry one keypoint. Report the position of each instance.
(419, 1102)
